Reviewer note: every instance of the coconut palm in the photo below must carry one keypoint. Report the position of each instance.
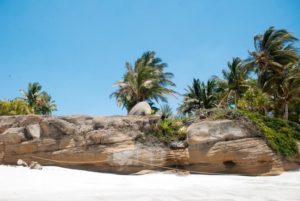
(40, 101)
(287, 85)
(199, 95)
(32, 93)
(45, 105)
(272, 59)
(235, 81)
(273, 51)
(145, 81)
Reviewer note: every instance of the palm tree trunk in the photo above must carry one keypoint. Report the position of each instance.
(235, 100)
(276, 108)
(286, 110)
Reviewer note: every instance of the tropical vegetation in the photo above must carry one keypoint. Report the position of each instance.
(15, 107)
(280, 135)
(267, 82)
(39, 100)
(33, 101)
(146, 80)
(199, 96)
(264, 87)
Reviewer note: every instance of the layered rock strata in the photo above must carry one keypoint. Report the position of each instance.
(110, 144)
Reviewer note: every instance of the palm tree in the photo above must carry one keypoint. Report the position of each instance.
(40, 101)
(254, 99)
(199, 96)
(45, 105)
(145, 81)
(166, 111)
(32, 93)
(273, 51)
(287, 87)
(274, 54)
(235, 81)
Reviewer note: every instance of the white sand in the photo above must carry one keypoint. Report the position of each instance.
(59, 184)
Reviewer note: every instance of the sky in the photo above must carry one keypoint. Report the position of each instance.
(77, 49)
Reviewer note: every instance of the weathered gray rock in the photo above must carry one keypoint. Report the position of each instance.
(55, 127)
(20, 162)
(110, 144)
(12, 135)
(1, 156)
(231, 147)
(35, 165)
(141, 108)
(108, 137)
(33, 131)
(219, 130)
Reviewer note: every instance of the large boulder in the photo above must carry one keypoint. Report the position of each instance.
(13, 136)
(141, 108)
(113, 144)
(219, 130)
(33, 131)
(230, 146)
(1, 156)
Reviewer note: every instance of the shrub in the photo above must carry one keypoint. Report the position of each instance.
(281, 135)
(217, 113)
(169, 129)
(15, 107)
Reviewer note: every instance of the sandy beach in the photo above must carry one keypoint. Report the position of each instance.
(55, 183)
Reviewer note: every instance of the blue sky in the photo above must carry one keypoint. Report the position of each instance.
(77, 49)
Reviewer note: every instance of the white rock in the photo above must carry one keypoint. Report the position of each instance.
(35, 165)
(33, 131)
(20, 162)
(141, 108)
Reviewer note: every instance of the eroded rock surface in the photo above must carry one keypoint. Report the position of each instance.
(230, 146)
(110, 144)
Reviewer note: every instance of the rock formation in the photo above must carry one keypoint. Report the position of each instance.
(232, 147)
(141, 108)
(110, 144)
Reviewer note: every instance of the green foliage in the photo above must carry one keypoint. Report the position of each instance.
(274, 50)
(294, 110)
(154, 109)
(276, 63)
(254, 99)
(199, 95)
(166, 111)
(45, 105)
(296, 129)
(281, 135)
(145, 81)
(218, 113)
(15, 107)
(234, 83)
(169, 129)
(40, 101)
